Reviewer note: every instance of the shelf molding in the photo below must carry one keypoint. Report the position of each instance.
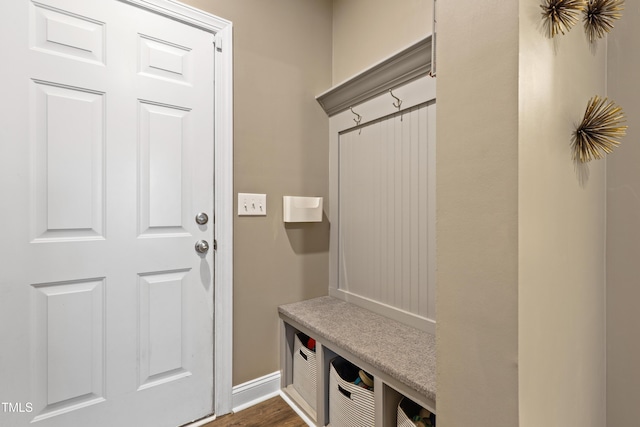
(403, 67)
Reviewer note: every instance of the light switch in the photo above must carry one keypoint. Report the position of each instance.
(250, 204)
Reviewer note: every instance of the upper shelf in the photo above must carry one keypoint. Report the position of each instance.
(396, 70)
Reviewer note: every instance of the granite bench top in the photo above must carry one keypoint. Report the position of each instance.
(400, 351)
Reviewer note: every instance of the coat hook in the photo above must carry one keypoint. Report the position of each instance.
(358, 117)
(397, 104)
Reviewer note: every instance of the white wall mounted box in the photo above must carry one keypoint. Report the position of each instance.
(302, 209)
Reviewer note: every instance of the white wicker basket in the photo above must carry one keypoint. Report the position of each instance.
(404, 419)
(304, 372)
(349, 405)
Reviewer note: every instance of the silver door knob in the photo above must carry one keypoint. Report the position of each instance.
(202, 246)
(202, 218)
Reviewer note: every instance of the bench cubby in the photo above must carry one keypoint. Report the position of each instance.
(400, 358)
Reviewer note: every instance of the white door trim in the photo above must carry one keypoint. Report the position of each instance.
(223, 188)
(223, 203)
(183, 13)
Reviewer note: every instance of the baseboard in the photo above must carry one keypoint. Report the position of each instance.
(201, 422)
(255, 391)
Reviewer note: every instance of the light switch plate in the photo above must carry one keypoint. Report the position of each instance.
(250, 204)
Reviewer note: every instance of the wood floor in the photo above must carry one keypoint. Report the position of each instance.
(272, 412)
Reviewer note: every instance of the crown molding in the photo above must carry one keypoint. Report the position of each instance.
(407, 65)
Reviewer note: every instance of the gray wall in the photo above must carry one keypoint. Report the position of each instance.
(623, 228)
(282, 59)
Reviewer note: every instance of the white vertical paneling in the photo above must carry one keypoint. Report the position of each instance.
(387, 211)
(431, 223)
(391, 209)
(414, 228)
(405, 207)
(397, 205)
(423, 209)
(377, 239)
(383, 207)
(343, 185)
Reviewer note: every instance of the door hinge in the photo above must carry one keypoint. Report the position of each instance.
(218, 42)
(215, 245)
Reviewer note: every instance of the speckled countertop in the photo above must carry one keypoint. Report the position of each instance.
(405, 353)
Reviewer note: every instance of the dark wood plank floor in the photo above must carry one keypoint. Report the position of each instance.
(272, 412)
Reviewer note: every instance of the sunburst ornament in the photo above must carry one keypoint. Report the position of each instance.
(560, 15)
(600, 130)
(599, 16)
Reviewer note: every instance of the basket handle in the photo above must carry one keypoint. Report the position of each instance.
(345, 392)
(304, 356)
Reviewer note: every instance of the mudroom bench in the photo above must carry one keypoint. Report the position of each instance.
(401, 359)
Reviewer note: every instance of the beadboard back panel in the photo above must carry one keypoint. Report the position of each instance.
(386, 214)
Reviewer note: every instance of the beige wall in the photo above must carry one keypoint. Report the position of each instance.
(282, 60)
(521, 238)
(561, 233)
(367, 31)
(477, 214)
(623, 229)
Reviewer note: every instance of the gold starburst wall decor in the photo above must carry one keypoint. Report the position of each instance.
(560, 15)
(600, 130)
(599, 16)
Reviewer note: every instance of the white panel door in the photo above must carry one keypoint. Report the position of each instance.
(106, 157)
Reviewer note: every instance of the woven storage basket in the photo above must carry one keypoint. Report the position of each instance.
(406, 410)
(349, 405)
(304, 372)
(403, 419)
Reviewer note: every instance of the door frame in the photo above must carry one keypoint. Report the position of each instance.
(223, 187)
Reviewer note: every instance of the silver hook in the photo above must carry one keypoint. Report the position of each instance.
(358, 119)
(397, 104)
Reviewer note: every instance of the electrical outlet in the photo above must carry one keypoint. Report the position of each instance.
(252, 204)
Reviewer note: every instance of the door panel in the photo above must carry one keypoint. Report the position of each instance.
(106, 158)
(68, 124)
(63, 33)
(162, 337)
(164, 60)
(164, 172)
(69, 345)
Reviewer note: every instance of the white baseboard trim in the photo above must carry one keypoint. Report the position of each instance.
(201, 422)
(298, 411)
(255, 391)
